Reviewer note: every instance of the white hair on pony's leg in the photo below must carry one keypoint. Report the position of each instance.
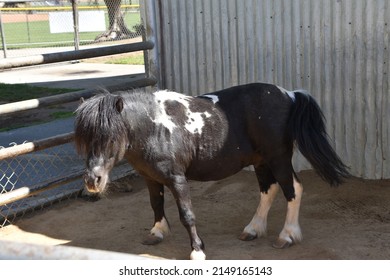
(197, 255)
(291, 232)
(258, 225)
(160, 229)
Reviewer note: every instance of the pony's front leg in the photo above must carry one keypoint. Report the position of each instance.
(161, 226)
(181, 192)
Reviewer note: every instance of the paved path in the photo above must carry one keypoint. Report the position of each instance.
(72, 75)
(63, 75)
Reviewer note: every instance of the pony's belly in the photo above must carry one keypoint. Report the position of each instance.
(207, 171)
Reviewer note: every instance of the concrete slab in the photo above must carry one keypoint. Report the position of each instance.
(77, 75)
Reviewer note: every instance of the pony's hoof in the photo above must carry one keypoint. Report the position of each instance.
(197, 255)
(151, 240)
(281, 244)
(245, 236)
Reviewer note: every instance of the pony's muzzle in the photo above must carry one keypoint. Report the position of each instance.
(92, 182)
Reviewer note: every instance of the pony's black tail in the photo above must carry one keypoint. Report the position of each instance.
(308, 129)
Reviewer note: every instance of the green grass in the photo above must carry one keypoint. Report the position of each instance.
(38, 33)
(19, 92)
(17, 35)
(16, 126)
(62, 115)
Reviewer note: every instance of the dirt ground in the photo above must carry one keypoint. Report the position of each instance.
(349, 222)
(22, 17)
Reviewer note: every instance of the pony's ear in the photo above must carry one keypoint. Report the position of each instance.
(81, 100)
(119, 104)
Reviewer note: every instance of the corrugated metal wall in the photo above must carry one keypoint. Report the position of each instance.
(336, 49)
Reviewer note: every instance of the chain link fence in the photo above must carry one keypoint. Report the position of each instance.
(33, 170)
(32, 181)
(37, 27)
(40, 170)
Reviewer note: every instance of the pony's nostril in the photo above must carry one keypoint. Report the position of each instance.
(98, 179)
(88, 180)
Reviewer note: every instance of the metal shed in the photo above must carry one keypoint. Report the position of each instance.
(338, 50)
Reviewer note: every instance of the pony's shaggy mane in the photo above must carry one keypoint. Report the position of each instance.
(99, 125)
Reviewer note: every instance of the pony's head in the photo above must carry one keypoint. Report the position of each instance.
(101, 136)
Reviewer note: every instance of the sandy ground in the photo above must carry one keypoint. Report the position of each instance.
(349, 222)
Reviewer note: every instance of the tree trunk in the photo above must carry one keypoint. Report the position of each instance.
(117, 28)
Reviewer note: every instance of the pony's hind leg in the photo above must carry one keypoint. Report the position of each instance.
(292, 190)
(161, 226)
(291, 232)
(268, 190)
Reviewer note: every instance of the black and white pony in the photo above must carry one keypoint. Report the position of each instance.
(170, 138)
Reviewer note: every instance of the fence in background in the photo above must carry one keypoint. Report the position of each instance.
(32, 181)
(35, 169)
(37, 174)
(37, 27)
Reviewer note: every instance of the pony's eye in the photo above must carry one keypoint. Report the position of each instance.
(112, 156)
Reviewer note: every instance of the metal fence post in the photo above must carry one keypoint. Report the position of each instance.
(76, 25)
(28, 28)
(3, 37)
(151, 33)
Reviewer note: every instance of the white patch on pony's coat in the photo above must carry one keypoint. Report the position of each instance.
(197, 255)
(249, 168)
(160, 228)
(291, 94)
(161, 115)
(195, 122)
(258, 225)
(291, 231)
(213, 98)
